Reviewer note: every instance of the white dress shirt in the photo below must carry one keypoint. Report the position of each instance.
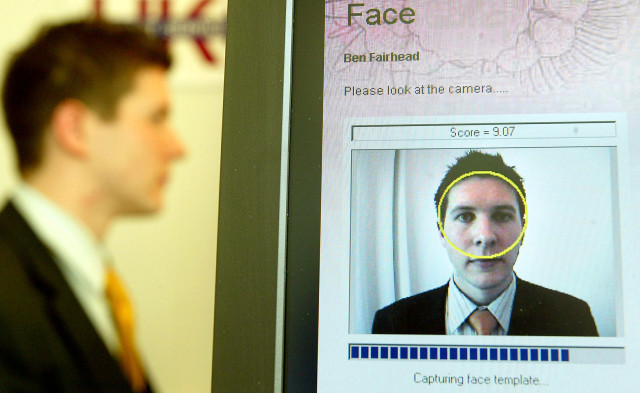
(80, 257)
(459, 307)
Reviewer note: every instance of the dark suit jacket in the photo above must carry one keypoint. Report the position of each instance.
(47, 343)
(537, 311)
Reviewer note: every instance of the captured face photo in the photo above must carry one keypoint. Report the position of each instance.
(483, 242)
(482, 218)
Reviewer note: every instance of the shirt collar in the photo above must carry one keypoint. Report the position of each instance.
(459, 306)
(78, 254)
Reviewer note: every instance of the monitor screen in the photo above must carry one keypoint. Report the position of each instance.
(478, 196)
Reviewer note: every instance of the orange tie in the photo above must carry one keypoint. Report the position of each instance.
(483, 322)
(123, 318)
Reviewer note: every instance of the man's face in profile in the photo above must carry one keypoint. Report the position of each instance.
(482, 218)
(133, 152)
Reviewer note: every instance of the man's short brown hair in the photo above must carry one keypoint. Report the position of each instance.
(90, 61)
(475, 160)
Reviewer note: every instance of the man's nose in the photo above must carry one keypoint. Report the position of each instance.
(175, 148)
(485, 234)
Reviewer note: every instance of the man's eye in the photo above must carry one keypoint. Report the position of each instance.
(465, 217)
(503, 217)
(157, 118)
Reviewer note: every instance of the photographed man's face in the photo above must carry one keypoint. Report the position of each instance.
(133, 151)
(482, 218)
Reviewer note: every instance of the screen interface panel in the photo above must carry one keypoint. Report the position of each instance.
(479, 209)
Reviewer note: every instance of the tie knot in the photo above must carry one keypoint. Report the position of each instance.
(483, 322)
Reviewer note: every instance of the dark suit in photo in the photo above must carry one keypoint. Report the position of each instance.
(537, 311)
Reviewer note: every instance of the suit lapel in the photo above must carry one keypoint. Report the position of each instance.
(434, 320)
(522, 321)
(439, 313)
(72, 324)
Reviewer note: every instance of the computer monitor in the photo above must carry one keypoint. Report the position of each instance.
(444, 158)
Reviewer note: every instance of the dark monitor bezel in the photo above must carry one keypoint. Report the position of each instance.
(246, 327)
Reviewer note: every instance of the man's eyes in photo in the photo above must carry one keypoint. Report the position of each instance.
(465, 217)
(499, 216)
(502, 217)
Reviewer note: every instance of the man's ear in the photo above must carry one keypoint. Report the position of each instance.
(68, 123)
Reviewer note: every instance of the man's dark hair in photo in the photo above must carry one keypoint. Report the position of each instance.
(472, 161)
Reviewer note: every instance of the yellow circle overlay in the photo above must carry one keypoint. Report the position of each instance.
(475, 173)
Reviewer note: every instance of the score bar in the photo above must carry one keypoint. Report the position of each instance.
(534, 130)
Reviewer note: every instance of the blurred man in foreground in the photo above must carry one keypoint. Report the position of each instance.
(87, 105)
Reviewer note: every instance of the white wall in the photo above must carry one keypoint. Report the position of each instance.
(168, 261)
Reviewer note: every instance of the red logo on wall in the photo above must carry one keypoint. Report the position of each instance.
(194, 25)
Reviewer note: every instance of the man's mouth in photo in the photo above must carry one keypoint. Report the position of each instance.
(485, 263)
